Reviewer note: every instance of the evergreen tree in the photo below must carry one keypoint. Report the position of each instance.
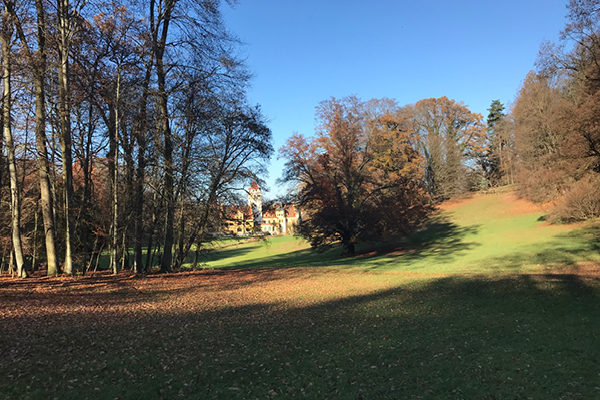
(491, 159)
(496, 114)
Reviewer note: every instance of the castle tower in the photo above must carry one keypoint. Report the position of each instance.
(255, 203)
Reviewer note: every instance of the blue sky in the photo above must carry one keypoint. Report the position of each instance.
(305, 51)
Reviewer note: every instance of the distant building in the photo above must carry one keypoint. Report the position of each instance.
(238, 221)
(255, 204)
(280, 219)
(276, 219)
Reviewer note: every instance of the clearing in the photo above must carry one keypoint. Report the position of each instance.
(487, 302)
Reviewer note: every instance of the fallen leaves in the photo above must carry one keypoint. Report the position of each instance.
(295, 332)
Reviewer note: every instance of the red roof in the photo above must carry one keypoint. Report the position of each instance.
(270, 212)
(254, 186)
(290, 210)
(231, 212)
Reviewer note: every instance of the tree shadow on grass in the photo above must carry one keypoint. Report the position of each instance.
(228, 252)
(439, 240)
(297, 258)
(525, 336)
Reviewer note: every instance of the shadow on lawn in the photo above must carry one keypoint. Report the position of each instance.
(304, 257)
(512, 337)
(227, 252)
(439, 240)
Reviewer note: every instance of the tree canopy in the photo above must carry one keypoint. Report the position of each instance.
(141, 127)
(360, 177)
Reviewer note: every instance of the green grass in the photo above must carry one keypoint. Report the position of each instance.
(459, 338)
(483, 303)
(276, 251)
(480, 237)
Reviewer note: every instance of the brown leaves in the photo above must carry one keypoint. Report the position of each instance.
(361, 168)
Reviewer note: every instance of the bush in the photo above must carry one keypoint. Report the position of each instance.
(543, 185)
(581, 202)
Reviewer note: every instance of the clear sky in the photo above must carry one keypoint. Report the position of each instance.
(305, 51)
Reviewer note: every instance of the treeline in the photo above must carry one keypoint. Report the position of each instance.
(549, 141)
(125, 126)
(374, 169)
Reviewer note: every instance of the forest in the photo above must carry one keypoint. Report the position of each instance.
(127, 128)
(125, 125)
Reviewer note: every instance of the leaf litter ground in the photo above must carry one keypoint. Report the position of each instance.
(488, 303)
(301, 332)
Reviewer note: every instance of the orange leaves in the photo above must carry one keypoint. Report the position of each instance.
(451, 120)
(358, 174)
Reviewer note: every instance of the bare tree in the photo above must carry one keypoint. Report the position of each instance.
(37, 63)
(15, 205)
(67, 21)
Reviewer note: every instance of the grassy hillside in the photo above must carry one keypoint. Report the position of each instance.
(489, 234)
(486, 302)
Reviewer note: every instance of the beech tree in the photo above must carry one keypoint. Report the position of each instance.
(359, 178)
(67, 21)
(35, 52)
(448, 134)
(557, 116)
(195, 30)
(542, 129)
(6, 36)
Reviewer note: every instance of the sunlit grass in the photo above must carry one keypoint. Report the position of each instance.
(490, 234)
(487, 302)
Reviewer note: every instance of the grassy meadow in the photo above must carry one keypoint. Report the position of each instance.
(491, 234)
(487, 301)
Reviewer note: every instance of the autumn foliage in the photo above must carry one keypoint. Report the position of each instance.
(556, 119)
(448, 134)
(360, 177)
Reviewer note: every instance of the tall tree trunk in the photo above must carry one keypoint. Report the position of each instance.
(181, 189)
(64, 27)
(198, 232)
(165, 265)
(37, 62)
(86, 166)
(154, 223)
(35, 235)
(159, 44)
(140, 132)
(115, 198)
(44, 174)
(112, 172)
(180, 232)
(124, 252)
(15, 203)
(40, 140)
(128, 189)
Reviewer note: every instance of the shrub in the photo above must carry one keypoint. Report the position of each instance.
(543, 185)
(581, 202)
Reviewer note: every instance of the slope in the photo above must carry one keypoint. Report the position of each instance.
(487, 234)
